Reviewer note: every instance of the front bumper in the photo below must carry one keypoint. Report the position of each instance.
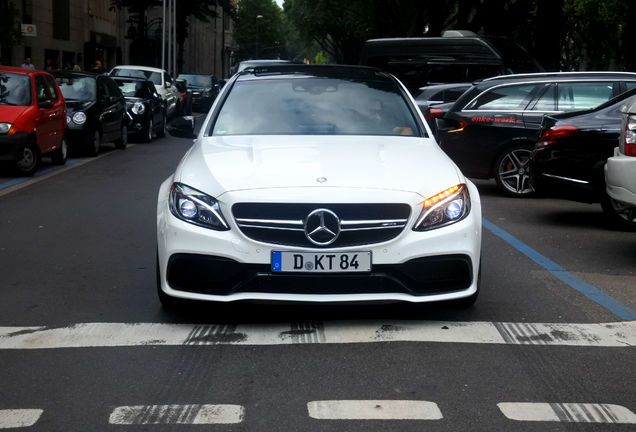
(202, 264)
(11, 146)
(620, 177)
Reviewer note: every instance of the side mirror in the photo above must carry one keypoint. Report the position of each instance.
(182, 127)
(45, 105)
(168, 84)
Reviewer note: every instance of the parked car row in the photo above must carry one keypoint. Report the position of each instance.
(51, 113)
(550, 133)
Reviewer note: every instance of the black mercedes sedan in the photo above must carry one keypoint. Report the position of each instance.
(568, 160)
(146, 108)
(96, 111)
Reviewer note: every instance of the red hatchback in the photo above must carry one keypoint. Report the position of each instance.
(32, 119)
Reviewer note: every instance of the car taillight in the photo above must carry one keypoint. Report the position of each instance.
(433, 113)
(554, 134)
(628, 136)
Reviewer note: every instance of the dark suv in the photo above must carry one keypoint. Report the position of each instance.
(491, 129)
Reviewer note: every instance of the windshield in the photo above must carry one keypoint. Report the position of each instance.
(15, 89)
(77, 88)
(197, 80)
(155, 77)
(315, 106)
(133, 89)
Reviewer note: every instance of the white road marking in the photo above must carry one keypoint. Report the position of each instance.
(18, 418)
(618, 334)
(177, 414)
(567, 412)
(373, 410)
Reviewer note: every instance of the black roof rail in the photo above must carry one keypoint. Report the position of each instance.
(342, 71)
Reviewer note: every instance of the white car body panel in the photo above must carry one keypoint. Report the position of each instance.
(620, 177)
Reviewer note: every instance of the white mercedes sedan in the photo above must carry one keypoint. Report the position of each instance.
(317, 184)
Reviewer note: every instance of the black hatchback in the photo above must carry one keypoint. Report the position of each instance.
(96, 110)
(146, 109)
(491, 129)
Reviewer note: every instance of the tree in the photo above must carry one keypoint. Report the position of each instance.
(258, 29)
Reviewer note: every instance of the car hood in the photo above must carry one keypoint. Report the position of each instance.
(9, 113)
(222, 164)
(74, 106)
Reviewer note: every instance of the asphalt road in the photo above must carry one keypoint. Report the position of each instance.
(86, 346)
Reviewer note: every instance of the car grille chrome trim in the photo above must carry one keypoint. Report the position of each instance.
(359, 224)
(298, 225)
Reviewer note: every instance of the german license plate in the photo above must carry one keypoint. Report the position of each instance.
(315, 262)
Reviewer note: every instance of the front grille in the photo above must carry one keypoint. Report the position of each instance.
(284, 224)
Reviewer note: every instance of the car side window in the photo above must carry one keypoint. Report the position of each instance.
(52, 89)
(104, 92)
(547, 101)
(630, 85)
(505, 98)
(41, 91)
(583, 95)
(113, 89)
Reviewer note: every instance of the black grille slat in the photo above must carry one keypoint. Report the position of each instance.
(351, 235)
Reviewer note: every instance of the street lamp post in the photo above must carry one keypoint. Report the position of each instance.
(258, 18)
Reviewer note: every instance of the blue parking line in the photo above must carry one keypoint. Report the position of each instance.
(589, 291)
(38, 174)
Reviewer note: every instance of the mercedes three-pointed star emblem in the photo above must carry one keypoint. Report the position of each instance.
(322, 227)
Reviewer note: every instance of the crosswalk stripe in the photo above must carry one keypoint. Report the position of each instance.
(374, 410)
(19, 418)
(618, 334)
(567, 412)
(177, 414)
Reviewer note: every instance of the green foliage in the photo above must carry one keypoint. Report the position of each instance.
(561, 34)
(258, 29)
(320, 58)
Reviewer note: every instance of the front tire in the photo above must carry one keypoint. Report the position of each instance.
(512, 171)
(94, 143)
(148, 132)
(164, 127)
(29, 160)
(122, 142)
(620, 215)
(60, 156)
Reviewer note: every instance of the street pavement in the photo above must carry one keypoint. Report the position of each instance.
(86, 346)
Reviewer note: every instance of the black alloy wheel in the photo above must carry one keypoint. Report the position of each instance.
(60, 155)
(512, 171)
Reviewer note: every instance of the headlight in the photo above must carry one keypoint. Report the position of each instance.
(79, 118)
(6, 128)
(445, 208)
(138, 108)
(197, 208)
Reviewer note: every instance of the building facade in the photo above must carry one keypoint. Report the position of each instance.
(65, 33)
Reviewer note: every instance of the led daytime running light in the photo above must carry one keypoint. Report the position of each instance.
(430, 202)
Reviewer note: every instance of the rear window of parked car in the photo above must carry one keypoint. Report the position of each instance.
(315, 106)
